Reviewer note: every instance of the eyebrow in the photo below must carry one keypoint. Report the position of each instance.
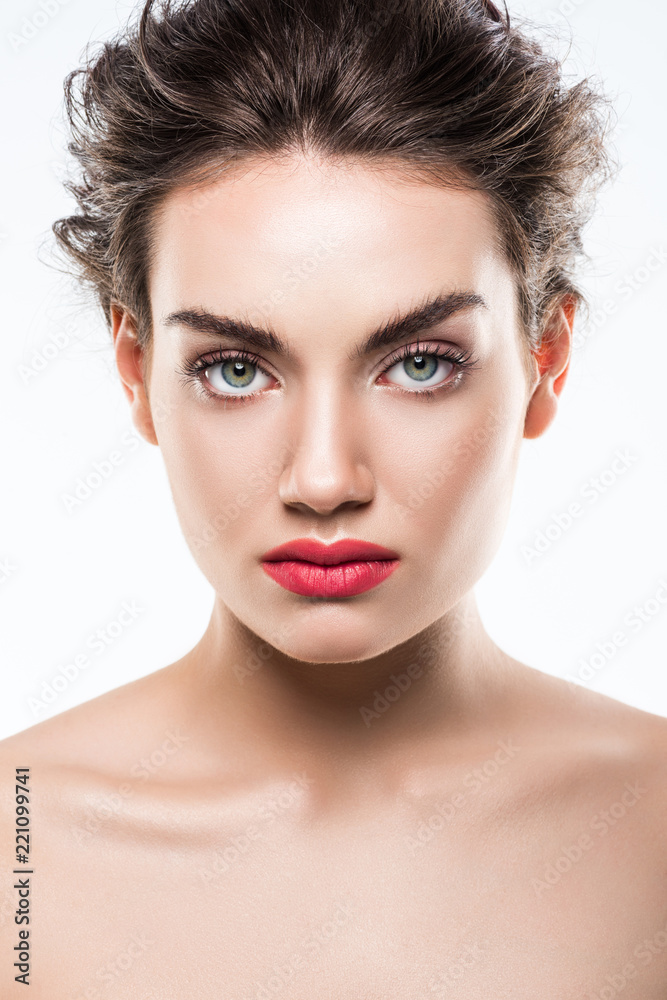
(419, 319)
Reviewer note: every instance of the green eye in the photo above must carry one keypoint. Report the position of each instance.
(425, 370)
(238, 374)
(421, 366)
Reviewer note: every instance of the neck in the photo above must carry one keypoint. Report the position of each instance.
(445, 681)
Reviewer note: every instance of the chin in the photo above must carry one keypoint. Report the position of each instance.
(326, 632)
(343, 652)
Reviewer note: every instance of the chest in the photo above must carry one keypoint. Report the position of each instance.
(409, 908)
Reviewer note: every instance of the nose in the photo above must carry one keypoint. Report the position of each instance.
(326, 469)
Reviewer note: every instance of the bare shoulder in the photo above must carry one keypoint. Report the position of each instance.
(96, 742)
(600, 745)
(107, 765)
(637, 736)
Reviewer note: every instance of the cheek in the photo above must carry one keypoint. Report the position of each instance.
(456, 479)
(221, 467)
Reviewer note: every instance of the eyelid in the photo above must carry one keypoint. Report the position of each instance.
(194, 369)
(222, 354)
(414, 347)
(227, 353)
(462, 360)
(433, 347)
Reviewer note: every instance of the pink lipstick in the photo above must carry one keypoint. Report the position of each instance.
(308, 567)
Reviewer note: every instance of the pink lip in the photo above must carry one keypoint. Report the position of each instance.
(313, 551)
(342, 569)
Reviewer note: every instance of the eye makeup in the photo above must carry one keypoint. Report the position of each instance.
(416, 363)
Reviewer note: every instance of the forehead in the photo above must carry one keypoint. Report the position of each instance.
(306, 238)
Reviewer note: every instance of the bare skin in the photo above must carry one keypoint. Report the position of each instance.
(353, 798)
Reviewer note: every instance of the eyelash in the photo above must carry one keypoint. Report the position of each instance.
(463, 362)
(191, 369)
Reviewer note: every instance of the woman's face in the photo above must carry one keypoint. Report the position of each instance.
(409, 443)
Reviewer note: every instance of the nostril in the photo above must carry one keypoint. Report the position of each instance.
(346, 488)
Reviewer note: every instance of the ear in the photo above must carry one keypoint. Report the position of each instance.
(131, 368)
(552, 360)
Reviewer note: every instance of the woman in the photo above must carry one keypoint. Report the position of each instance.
(336, 247)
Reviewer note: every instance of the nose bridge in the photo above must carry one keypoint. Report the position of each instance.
(327, 467)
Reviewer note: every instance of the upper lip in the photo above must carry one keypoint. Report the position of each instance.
(314, 551)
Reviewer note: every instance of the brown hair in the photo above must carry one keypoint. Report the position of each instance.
(448, 90)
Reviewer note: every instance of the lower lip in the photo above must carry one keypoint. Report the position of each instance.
(341, 580)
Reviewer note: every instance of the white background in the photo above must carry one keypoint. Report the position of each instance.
(64, 575)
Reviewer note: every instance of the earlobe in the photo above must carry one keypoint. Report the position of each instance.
(541, 412)
(129, 361)
(553, 362)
